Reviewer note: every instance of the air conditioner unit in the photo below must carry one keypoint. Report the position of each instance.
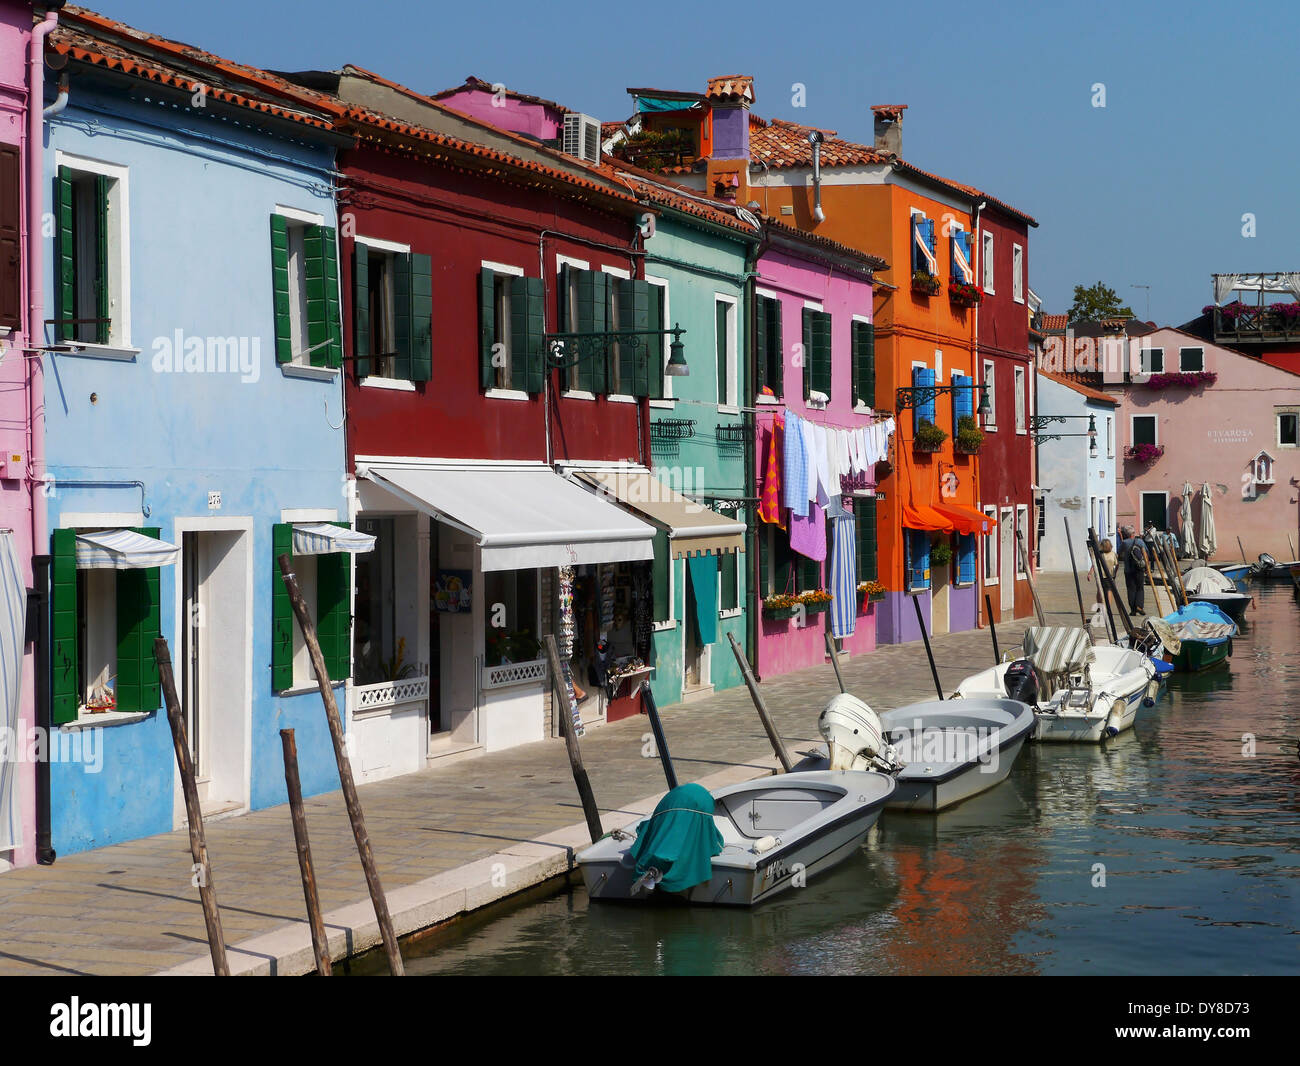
(581, 137)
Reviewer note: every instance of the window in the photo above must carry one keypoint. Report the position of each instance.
(661, 385)
(917, 545)
(864, 508)
(724, 340)
(392, 310)
(1152, 360)
(1145, 430)
(601, 301)
(862, 344)
(305, 281)
(986, 262)
(1287, 429)
(90, 265)
(1155, 506)
(1111, 530)
(1022, 537)
(990, 391)
(770, 348)
(782, 570)
(1020, 399)
(510, 633)
(729, 583)
(961, 258)
(1191, 360)
(923, 258)
(374, 637)
(11, 295)
(1017, 273)
(326, 583)
(511, 327)
(966, 559)
(991, 547)
(103, 625)
(1110, 437)
(1094, 520)
(816, 352)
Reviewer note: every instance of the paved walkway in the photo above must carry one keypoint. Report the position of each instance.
(446, 839)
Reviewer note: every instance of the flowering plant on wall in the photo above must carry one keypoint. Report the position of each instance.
(1187, 381)
(1229, 312)
(925, 282)
(1145, 453)
(964, 294)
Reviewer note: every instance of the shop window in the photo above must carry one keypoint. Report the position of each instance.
(378, 654)
(510, 615)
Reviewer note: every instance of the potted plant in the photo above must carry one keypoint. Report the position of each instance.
(815, 601)
(970, 438)
(1144, 453)
(779, 605)
(1189, 380)
(964, 293)
(883, 469)
(925, 283)
(940, 553)
(871, 591)
(929, 437)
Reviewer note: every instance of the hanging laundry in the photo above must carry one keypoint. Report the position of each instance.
(814, 458)
(844, 577)
(846, 465)
(769, 506)
(808, 534)
(794, 480)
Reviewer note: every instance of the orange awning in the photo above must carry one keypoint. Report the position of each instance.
(923, 517)
(966, 519)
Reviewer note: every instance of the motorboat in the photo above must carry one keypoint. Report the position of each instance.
(1203, 635)
(739, 845)
(1207, 585)
(940, 752)
(1240, 574)
(1079, 691)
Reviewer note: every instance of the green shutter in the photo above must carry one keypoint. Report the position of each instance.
(527, 332)
(762, 344)
(324, 329)
(65, 262)
(655, 363)
(139, 624)
(361, 309)
(280, 288)
(333, 616)
(635, 363)
(720, 346)
(807, 351)
(402, 332)
(282, 621)
(101, 259)
(778, 348)
(487, 327)
(822, 366)
(763, 561)
(728, 596)
(810, 574)
(865, 512)
(660, 572)
(421, 317)
(591, 296)
(864, 363)
(65, 682)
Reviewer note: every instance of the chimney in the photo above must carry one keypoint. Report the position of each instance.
(730, 99)
(889, 127)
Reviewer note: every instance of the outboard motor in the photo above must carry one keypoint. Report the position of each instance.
(1021, 680)
(855, 738)
(1265, 564)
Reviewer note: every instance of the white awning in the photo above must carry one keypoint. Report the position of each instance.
(521, 516)
(321, 538)
(123, 549)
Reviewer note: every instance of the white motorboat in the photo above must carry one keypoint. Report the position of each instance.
(1079, 692)
(773, 833)
(949, 750)
(1207, 585)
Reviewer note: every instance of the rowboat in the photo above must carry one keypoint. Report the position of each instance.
(1079, 692)
(1207, 585)
(1203, 634)
(738, 845)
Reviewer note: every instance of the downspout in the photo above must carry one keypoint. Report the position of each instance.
(977, 375)
(815, 139)
(751, 434)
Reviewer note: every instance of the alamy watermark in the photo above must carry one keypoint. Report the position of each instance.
(181, 354)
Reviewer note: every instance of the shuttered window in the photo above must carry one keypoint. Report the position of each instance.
(865, 512)
(659, 346)
(392, 314)
(863, 354)
(305, 293)
(816, 352)
(728, 581)
(923, 234)
(963, 399)
(661, 574)
(11, 295)
(636, 305)
(966, 559)
(333, 579)
(82, 282)
(918, 559)
(512, 326)
(770, 347)
(923, 378)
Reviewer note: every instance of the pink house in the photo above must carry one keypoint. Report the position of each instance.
(815, 349)
(499, 106)
(1210, 415)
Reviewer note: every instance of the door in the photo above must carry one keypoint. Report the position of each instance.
(191, 659)
(939, 583)
(1007, 557)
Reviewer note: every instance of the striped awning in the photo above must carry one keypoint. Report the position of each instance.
(322, 538)
(693, 529)
(123, 549)
(1058, 649)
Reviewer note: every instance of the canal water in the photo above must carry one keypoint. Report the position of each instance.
(1170, 849)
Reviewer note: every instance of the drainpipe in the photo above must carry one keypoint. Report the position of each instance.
(751, 434)
(815, 139)
(977, 373)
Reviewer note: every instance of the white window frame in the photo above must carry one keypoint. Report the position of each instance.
(1022, 526)
(671, 621)
(119, 253)
(1191, 348)
(1022, 421)
(379, 381)
(1277, 419)
(991, 512)
(1144, 363)
(986, 261)
(622, 274)
(667, 401)
(730, 405)
(990, 379)
(496, 393)
(733, 612)
(561, 261)
(1018, 273)
(1132, 429)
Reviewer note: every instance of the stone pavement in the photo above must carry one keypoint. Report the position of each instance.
(446, 839)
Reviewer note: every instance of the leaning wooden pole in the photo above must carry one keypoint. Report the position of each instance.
(657, 727)
(1169, 567)
(1243, 551)
(1104, 570)
(835, 659)
(564, 715)
(993, 629)
(773, 737)
(1074, 569)
(1029, 575)
(193, 812)
(293, 785)
(350, 797)
(925, 636)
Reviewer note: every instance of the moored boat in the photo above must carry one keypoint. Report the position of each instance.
(1207, 585)
(1203, 634)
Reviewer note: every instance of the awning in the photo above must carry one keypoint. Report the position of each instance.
(922, 517)
(123, 549)
(521, 516)
(692, 528)
(322, 538)
(966, 519)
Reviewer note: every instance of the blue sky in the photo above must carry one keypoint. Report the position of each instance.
(1151, 189)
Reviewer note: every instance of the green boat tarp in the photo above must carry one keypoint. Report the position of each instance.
(679, 839)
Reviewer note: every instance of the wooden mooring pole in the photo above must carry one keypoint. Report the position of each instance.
(993, 629)
(657, 727)
(920, 622)
(319, 941)
(835, 659)
(193, 812)
(350, 797)
(1074, 569)
(564, 715)
(1029, 576)
(773, 737)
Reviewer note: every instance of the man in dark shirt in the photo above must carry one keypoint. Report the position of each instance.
(1133, 554)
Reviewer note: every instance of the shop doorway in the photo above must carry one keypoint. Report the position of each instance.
(939, 582)
(693, 653)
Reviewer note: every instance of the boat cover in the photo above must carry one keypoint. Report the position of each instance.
(1201, 621)
(1165, 632)
(679, 839)
(1202, 579)
(1058, 649)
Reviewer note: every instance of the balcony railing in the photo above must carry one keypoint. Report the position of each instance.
(1255, 324)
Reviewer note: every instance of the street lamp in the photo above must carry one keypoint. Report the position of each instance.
(565, 350)
(919, 395)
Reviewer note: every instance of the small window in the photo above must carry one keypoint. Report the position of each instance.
(771, 348)
(1191, 360)
(662, 580)
(304, 570)
(1110, 438)
(1152, 360)
(97, 621)
(729, 583)
(990, 391)
(1020, 400)
(724, 339)
(501, 330)
(986, 262)
(1287, 429)
(383, 327)
(1017, 273)
(89, 248)
(1144, 430)
(991, 547)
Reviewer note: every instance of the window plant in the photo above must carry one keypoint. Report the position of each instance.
(925, 282)
(929, 437)
(969, 436)
(940, 553)
(964, 293)
(871, 591)
(815, 600)
(1145, 453)
(1189, 380)
(779, 605)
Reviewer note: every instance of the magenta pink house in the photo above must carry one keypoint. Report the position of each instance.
(1211, 416)
(499, 106)
(815, 360)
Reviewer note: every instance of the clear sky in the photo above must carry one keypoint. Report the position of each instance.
(1197, 128)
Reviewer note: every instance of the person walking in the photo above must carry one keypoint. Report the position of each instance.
(1133, 554)
(1112, 565)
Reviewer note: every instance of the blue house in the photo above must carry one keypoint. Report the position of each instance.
(194, 427)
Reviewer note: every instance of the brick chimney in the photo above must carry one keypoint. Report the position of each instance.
(889, 127)
(730, 98)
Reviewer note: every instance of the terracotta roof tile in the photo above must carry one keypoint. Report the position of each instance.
(733, 88)
(1055, 323)
(1082, 390)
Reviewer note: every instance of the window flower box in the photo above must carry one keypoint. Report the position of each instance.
(815, 601)
(929, 437)
(970, 438)
(1191, 380)
(780, 606)
(871, 592)
(924, 283)
(1144, 453)
(964, 294)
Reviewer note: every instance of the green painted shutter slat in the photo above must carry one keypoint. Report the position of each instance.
(421, 317)
(280, 288)
(866, 363)
(281, 611)
(659, 574)
(65, 263)
(720, 338)
(655, 365)
(101, 259)
(822, 380)
(775, 330)
(527, 327)
(324, 331)
(535, 336)
(591, 296)
(139, 624)
(763, 561)
(64, 684)
(635, 363)
(810, 576)
(333, 618)
(402, 331)
(761, 345)
(728, 595)
(807, 351)
(361, 308)
(865, 513)
(487, 331)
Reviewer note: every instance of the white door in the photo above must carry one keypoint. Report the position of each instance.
(1007, 554)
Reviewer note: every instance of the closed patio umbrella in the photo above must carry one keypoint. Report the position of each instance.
(1185, 528)
(1209, 539)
